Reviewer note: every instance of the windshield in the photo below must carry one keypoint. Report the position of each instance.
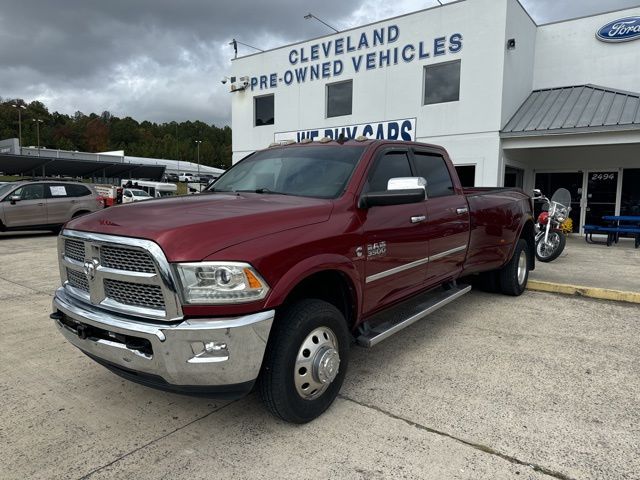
(562, 196)
(310, 171)
(139, 193)
(6, 188)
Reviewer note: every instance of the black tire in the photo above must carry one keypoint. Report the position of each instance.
(293, 327)
(562, 241)
(513, 280)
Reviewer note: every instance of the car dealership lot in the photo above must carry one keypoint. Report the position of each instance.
(539, 386)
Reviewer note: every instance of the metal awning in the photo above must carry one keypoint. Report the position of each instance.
(27, 165)
(579, 109)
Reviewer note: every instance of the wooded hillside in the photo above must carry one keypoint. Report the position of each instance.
(106, 132)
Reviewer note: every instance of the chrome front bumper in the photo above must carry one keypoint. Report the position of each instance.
(196, 353)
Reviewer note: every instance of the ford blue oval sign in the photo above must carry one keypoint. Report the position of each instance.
(623, 30)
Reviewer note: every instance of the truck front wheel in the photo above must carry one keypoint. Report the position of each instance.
(305, 362)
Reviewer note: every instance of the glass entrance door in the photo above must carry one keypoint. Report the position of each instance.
(548, 183)
(602, 190)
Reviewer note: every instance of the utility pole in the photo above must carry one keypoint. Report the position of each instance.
(38, 122)
(19, 108)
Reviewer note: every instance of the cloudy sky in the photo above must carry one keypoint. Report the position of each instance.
(162, 60)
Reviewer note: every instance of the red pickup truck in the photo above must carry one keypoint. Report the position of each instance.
(267, 277)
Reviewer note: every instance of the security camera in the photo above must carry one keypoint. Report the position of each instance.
(224, 80)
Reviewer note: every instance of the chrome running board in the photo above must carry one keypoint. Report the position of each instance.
(384, 324)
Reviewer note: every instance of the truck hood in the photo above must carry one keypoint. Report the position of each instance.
(192, 227)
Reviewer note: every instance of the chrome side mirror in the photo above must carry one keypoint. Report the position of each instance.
(407, 183)
(537, 194)
(14, 198)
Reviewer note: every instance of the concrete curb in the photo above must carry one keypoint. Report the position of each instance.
(591, 292)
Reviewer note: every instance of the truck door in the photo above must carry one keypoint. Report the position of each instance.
(447, 217)
(394, 245)
(29, 210)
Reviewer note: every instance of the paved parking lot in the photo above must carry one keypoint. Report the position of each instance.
(541, 386)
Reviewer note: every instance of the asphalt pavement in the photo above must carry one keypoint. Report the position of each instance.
(490, 387)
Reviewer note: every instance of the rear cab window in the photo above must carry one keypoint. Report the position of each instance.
(433, 168)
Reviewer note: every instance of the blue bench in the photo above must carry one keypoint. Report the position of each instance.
(613, 232)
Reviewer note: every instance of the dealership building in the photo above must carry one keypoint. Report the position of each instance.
(515, 103)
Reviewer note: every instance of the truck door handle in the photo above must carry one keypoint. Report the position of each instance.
(462, 211)
(418, 219)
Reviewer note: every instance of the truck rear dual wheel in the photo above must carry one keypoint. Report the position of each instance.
(305, 362)
(514, 275)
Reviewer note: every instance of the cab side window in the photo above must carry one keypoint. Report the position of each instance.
(30, 192)
(390, 165)
(434, 169)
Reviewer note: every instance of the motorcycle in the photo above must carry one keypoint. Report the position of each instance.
(550, 240)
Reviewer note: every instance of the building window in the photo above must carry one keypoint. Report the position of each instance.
(339, 98)
(263, 109)
(467, 175)
(442, 83)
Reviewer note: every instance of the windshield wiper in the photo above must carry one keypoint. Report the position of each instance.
(262, 190)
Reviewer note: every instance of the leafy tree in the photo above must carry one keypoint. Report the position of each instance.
(105, 132)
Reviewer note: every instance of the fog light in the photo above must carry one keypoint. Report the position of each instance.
(214, 347)
(209, 352)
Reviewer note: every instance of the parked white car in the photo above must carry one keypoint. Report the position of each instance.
(188, 177)
(131, 195)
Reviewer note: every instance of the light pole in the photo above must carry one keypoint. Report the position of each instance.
(38, 122)
(19, 108)
(310, 15)
(198, 142)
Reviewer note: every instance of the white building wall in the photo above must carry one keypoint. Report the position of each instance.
(517, 81)
(468, 128)
(568, 53)
(494, 81)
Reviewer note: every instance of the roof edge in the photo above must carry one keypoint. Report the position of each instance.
(555, 22)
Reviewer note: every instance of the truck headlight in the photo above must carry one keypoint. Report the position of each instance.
(220, 282)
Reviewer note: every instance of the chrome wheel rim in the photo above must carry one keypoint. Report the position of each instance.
(317, 363)
(522, 267)
(546, 249)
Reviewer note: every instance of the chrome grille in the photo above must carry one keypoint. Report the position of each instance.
(77, 279)
(134, 294)
(74, 249)
(126, 259)
(125, 275)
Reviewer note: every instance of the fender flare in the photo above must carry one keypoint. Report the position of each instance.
(526, 219)
(310, 266)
